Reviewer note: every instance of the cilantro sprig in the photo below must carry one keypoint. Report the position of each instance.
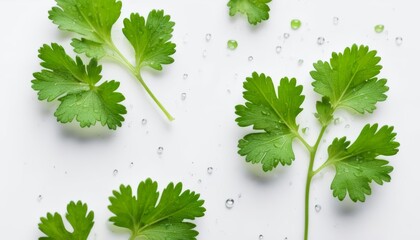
(92, 21)
(146, 215)
(255, 10)
(349, 81)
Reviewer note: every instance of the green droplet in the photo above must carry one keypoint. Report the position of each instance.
(232, 44)
(295, 24)
(379, 28)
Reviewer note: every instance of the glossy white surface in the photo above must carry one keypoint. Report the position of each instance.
(39, 156)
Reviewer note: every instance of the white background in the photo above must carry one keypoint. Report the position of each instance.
(39, 156)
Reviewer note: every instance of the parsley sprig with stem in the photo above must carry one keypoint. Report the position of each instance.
(145, 215)
(92, 22)
(348, 81)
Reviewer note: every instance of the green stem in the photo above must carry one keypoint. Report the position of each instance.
(311, 173)
(132, 237)
(124, 61)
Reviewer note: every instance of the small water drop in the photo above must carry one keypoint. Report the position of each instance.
(199, 181)
(295, 24)
(208, 37)
(347, 126)
(232, 44)
(132, 164)
(39, 198)
(317, 208)
(379, 28)
(285, 238)
(277, 145)
(250, 58)
(300, 62)
(337, 121)
(210, 170)
(185, 76)
(320, 40)
(278, 49)
(115, 172)
(261, 237)
(183, 96)
(286, 35)
(144, 121)
(204, 54)
(160, 150)
(265, 113)
(229, 203)
(336, 20)
(398, 41)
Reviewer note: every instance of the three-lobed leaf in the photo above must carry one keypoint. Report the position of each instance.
(360, 163)
(151, 39)
(75, 86)
(349, 79)
(275, 113)
(147, 216)
(78, 217)
(256, 10)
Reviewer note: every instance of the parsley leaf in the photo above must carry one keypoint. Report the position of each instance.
(79, 218)
(256, 10)
(349, 79)
(358, 164)
(275, 113)
(91, 19)
(150, 39)
(149, 218)
(74, 85)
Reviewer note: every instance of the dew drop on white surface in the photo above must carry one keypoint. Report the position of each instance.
(286, 35)
(144, 121)
(318, 208)
(320, 40)
(398, 41)
(132, 164)
(337, 121)
(183, 96)
(208, 37)
(185, 76)
(250, 58)
(229, 203)
(210, 170)
(278, 49)
(300, 62)
(204, 54)
(347, 126)
(336, 20)
(160, 150)
(260, 237)
(115, 172)
(39, 198)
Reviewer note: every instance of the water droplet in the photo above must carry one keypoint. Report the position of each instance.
(210, 170)
(335, 20)
(250, 58)
(286, 35)
(337, 121)
(379, 28)
(229, 203)
(398, 41)
(278, 49)
(300, 62)
(185, 76)
(305, 130)
(144, 121)
(261, 237)
(160, 150)
(208, 37)
(295, 24)
(277, 145)
(199, 181)
(204, 53)
(265, 113)
(39, 198)
(115, 172)
(183, 96)
(320, 40)
(232, 44)
(285, 238)
(317, 208)
(132, 164)
(347, 126)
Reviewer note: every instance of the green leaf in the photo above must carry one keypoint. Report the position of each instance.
(359, 163)
(275, 113)
(269, 149)
(324, 111)
(349, 79)
(149, 218)
(77, 215)
(91, 19)
(74, 85)
(90, 48)
(256, 10)
(151, 39)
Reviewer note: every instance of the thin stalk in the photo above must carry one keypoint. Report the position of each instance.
(132, 237)
(309, 177)
(136, 73)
